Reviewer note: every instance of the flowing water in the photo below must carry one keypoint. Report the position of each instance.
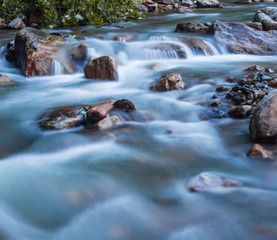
(130, 183)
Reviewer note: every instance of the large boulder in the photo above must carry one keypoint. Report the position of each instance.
(102, 68)
(263, 124)
(268, 18)
(239, 38)
(35, 52)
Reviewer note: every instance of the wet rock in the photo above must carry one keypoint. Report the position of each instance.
(17, 23)
(255, 25)
(254, 68)
(230, 80)
(125, 105)
(273, 83)
(10, 54)
(239, 38)
(197, 44)
(169, 82)
(243, 1)
(240, 111)
(222, 89)
(107, 123)
(166, 50)
(103, 68)
(182, 9)
(5, 81)
(258, 151)
(263, 124)
(123, 38)
(79, 53)
(215, 104)
(35, 52)
(267, 17)
(99, 111)
(191, 27)
(62, 118)
(187, 3)
(206, 182)
(213, 114)
(208, 4)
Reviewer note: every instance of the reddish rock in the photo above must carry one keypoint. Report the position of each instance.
(125, 105)
(100, 110)
(263, 124)
(273, 83)
(258, 151)
(206, 182)
(62, 118)
(170, 82)
(192, 27)
(239, 38)
(35, 52)
(103, 68)
(230, 80)
(215, 104)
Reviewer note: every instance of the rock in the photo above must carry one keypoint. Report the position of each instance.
(213, 114)
(243, 1)
(206, 182)
(239, 38)
(107, 123)
(254, 68)
(240, 111)
(35, 52)
(230, 80)
(187, 3)
(79, 53)
(182, 9)
(10, 54)
(99, 111)
(191, 27)
(125, 105)
(62, 118)
(123, 38)
(263, 124)
(3, 23)
(222, 89)
(208, 4)
(258, 151)
(273, 83)
(165, 50)
(5, 81)
(103, 68)
(169, 82)
(267, 17)
(167, 2)
(17, 23)
(215, 104)
(255, 25)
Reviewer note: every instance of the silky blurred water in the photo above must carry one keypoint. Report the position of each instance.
(130, 183)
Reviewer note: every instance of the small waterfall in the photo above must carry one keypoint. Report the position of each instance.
(57, 68)
(212, 48)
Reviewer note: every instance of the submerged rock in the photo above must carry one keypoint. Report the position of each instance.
(206, 182)
(258, 151)
(263, 124)
(103, 68)
(239, 38)
(35, 52)
(172, 81)
(5, 81)
(79, 53)
(62, 118)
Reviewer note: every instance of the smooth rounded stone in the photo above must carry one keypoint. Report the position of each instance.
(102, 68)
(206, 182)
(5, 81)
(191, 27)
(100, 110)
(258, 151)
(208, 4)
(17, 23)
(215, 104)
(36, 50)
(62, 118)
(125, 105)
(239, 38)
(268, 18)
(255, 25)
(230, 80)
(79, 53)
(172, 81)
(240, 111)
(273, 83)
(263, 124)
(222, 89)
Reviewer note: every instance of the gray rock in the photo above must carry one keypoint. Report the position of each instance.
(17, 23)
(268, 18)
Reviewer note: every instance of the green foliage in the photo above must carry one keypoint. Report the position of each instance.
(67, 13)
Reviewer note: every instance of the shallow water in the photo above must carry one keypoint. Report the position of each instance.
(131, 182)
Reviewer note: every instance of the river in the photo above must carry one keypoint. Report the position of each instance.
(131, 182)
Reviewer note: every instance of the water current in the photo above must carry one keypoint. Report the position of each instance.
(130, 183)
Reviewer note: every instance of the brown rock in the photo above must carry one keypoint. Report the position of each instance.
(215, 104)
(240, 111)
(108, 122)
(79, 53)
(17, 23)
(100, 110)
(206, 182)
(263, 124)
(254, 68)
(258, 151)
(62, 118)
(222, 89)
(239, 38)
(230, 80)
(125, 105)
(170, 82)
(273, 83)
(191, 27)
(103, 68)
